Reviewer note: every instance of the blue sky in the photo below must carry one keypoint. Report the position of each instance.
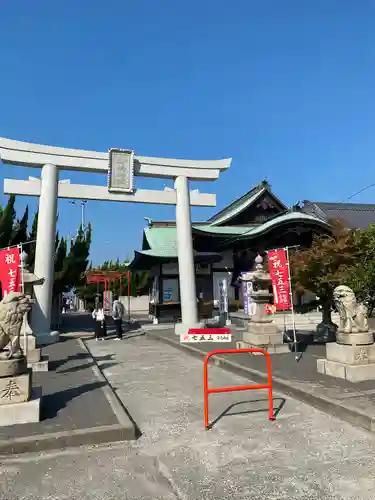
(285, 88)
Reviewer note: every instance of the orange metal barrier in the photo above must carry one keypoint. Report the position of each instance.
(208, 391)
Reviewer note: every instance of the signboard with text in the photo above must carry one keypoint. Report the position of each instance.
(223, 297)
(279, 271)
(207, 335)
(247, 290)
(120, 171)
(10, 276)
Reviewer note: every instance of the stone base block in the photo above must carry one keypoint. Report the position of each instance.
(31, 342)
(12, 367)
(183, 329)
(34, 355)
(262, 328)
(16, 389)
(270, 349)
(263, 338)
(363, 338)
(350, 354)
(352, 373)
(21, 413)
(39, 366)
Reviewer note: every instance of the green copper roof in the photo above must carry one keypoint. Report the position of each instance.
(238, 207)
(163, 240)
(223, 230)
(241, 204)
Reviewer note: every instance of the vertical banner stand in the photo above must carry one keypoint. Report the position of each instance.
(292, 306)
(25, 346)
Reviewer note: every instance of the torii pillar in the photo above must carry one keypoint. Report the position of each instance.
(120, 166)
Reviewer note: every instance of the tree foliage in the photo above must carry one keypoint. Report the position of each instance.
(13, 231)
(139, 282)
(326, 263)
(361, 275)
(70, 266)
(70, 263)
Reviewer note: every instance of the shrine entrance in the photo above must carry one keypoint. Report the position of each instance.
(121, 167)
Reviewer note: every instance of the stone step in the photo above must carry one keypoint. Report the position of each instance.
(34, 355)
(39, 366)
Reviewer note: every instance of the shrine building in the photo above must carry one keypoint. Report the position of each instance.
(227, 243)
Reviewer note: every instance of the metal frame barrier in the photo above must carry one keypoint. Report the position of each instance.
(208, 391)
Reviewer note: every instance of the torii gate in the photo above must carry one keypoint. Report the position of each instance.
(120, 166)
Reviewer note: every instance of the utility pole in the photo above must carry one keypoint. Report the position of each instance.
(83, 221)
(83, 213)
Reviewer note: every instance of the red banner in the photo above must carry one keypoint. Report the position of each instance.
(278, 267)
(10, 271)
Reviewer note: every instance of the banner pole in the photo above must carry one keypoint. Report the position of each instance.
(25, 346)
(291, 305)
(18, 245)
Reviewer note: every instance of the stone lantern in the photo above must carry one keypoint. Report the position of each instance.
(261, 332)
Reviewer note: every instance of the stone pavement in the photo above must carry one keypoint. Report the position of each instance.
(75, 408)
(354, 403)
(304, 454)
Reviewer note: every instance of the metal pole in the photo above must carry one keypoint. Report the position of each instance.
(129, 290)
(83, 215)
(83, 218)
(291, 305)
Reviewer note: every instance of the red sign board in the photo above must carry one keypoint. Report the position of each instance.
(10, 271)
(278, 267)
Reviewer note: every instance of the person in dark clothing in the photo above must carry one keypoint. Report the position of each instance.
(117, 314)
(100, 326)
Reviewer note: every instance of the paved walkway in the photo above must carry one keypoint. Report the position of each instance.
(305, 454)
(353, 402)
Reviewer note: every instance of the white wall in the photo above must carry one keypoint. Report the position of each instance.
(137, 304)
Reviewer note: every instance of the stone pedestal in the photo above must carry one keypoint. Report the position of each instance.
(265, 336)
(35, 360)
(17, 404)
(353, 362)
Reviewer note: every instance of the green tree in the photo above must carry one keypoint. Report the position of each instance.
(139, 282)
(324, 266)
(7, 221)
(32, 238)
(19, 232)
(70, 266)
(361, 275)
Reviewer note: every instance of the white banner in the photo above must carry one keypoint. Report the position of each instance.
(223, 296)
(206, 337)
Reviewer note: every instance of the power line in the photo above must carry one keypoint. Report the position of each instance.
(360, 191)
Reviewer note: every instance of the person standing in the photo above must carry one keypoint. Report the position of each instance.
(117, 314)
(100, 326)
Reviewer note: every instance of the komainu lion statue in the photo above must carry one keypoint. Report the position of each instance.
(13, 307)
(352, 315)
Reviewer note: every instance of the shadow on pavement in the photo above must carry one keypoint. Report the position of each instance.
(56, 364)
(53, 403)
(227, 413)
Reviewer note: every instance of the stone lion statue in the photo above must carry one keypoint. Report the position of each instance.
(352, 315)
(13, 307)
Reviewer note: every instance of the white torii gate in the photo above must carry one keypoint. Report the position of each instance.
(120, 166)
